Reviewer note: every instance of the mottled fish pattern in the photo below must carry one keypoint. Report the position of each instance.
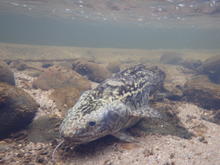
(114, 105)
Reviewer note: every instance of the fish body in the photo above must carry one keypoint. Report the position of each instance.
(114, 105)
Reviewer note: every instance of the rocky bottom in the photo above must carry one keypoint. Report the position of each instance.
(197, 144)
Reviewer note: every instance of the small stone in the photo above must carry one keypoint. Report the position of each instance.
(171, 163)
(20, 155)
(2, 160)
(47, 65)
(40, 160)
(107, 162)
(172, 155)
(27, 160)
(43, 153)
(94, 72)
(148, 152)
(202, 139)
(129, 146)
(167, 163)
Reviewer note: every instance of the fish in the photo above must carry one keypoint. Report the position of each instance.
(113, 106)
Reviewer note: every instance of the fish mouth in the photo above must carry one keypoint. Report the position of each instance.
(76, 140)
(80, 139)
(73, 141)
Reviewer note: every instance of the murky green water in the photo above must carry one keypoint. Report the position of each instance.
(51, 31)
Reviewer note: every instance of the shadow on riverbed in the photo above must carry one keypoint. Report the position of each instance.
(169, 125)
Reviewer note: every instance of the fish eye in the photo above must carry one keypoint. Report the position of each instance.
(92, 123)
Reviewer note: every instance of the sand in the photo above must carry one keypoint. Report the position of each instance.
(201, 149)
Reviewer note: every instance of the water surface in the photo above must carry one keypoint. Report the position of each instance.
(19, 28)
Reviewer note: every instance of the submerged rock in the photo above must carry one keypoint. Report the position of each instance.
(174, 81)
(191, 64)
(176, 59)
(171, 58)
(216, 118)
(19, 65)
(202, 92)
(34, 73)
(212, 116)
(169, 124)
(17, 109)
(6, 75)
(38, 133)
(94, 72)
(47, 65)
(60, 77)
(211, 67)
(65, 97)
(113, 67)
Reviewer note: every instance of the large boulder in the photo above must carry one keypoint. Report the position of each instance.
(60, 77)
(94, 72)
(176, 59)
(174, 81)
(17, 109)
(211, 67)
(171, 58)
(6, 75)
(202, 92)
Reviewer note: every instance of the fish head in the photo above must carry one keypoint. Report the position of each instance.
(90, 120)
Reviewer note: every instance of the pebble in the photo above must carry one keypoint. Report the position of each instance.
(43, 153)
(172, 155)
(202, 139)
(40, 159)
(107, 162)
